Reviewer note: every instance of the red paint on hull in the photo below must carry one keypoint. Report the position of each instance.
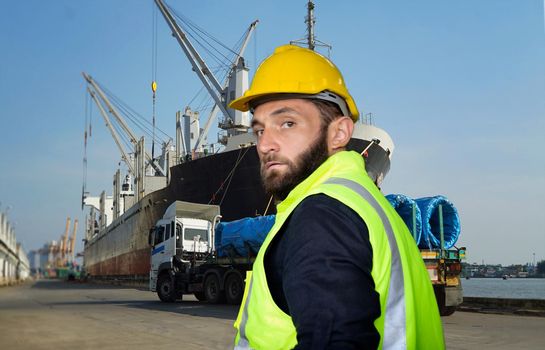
(136, 263)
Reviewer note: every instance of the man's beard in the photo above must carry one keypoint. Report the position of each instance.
(280, 185)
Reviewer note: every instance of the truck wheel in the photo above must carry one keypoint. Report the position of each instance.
(165, 289)
(212, 291)
(234, 288)
(200, 296)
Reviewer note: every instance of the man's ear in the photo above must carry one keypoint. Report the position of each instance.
(339, 133)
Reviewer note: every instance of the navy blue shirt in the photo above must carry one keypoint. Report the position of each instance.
(318, 270)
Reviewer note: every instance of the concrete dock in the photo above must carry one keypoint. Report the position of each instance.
(51, 314)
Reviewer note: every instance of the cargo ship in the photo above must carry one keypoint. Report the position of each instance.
(117, 226)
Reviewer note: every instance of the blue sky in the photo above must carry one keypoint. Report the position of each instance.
(459, 86)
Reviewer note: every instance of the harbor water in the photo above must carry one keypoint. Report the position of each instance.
(511, 288)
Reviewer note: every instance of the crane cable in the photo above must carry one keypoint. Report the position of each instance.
(153, 73)
(84, 179)
(138, 120)
(229, 177)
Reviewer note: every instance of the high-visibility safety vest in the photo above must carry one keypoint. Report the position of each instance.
(409, 314)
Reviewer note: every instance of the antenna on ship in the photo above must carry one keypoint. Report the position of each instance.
(310, 41)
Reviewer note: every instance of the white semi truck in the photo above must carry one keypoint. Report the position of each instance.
(184, 258)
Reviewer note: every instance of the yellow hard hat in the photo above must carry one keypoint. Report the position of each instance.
(295, 70)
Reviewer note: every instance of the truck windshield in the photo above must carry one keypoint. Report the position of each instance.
(159, 234)
(191, 233)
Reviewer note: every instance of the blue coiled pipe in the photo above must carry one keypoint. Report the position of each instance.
(404, 206)
(431, 234)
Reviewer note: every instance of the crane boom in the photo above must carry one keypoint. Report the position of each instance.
(115, 136)
(199, 66)
(215, 109)
(122, 122)
(251, 29)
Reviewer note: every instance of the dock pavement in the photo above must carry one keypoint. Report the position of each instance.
(51, 314)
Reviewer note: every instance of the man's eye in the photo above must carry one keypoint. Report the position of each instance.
(258, 132)
(288, 124)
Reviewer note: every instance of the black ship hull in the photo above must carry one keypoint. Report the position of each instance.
(229, 179)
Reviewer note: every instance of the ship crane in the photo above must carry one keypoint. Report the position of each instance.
(237, 61)
(236, 121)
(101, 100)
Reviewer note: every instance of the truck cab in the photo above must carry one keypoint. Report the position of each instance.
(182, 239)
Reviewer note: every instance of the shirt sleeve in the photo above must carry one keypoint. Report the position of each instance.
(325, 260)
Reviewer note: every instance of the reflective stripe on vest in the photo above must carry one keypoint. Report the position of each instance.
(394, 320)
(243, 343)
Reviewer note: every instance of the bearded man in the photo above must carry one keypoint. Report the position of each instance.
(339, 268)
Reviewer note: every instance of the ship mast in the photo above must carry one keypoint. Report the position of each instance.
(310, 21)
(310, 41)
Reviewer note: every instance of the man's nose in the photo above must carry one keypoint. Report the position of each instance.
(267, 142)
